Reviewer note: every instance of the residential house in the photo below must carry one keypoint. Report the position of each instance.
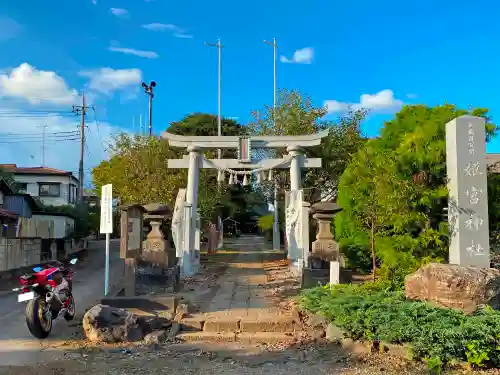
(8, 219)
(14, 207)
(53, 187)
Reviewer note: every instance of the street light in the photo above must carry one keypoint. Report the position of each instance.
(148, 89)
(276, 232)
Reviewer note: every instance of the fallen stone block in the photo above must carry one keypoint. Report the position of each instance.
(155, 337)
(108, 324)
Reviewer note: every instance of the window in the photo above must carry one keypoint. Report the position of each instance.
(22, 186)
(49, 190)
(71, 194)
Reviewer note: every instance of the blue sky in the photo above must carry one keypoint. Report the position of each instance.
(423, 52)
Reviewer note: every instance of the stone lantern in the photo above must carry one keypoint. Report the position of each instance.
(325, 247)
(156, 249)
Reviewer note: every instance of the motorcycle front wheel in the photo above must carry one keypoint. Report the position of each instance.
(38, 318)
(70, 313)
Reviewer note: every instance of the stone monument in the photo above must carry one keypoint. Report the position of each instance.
(467, 281)
(131, 233)
(468, 199)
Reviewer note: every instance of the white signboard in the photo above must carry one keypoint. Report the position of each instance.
(107, 209)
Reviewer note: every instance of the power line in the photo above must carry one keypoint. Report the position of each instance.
(99, 130)
(19, 141)
(38, 136)
(30, 134)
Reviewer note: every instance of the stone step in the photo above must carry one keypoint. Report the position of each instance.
(246, 338)
(249, 324)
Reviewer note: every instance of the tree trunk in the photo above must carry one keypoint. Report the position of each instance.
(372, 246)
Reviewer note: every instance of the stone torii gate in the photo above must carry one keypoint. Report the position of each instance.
(195, 145)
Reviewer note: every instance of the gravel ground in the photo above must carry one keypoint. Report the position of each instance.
(190, 359)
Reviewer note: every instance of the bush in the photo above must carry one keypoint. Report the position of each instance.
(379, 311)
(266, 222)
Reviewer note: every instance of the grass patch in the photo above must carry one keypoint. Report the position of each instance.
(379, 311)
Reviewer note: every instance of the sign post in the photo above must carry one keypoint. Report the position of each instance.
(107, 225)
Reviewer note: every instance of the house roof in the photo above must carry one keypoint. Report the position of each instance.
(13, 168)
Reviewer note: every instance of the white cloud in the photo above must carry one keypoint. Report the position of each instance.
(36, 86)
(301, 56)
(20, 126)
(135, 52)
(107, 80)
(8, 28)
(120, 12)
(176, 31)
(382, 101)
(155, 26)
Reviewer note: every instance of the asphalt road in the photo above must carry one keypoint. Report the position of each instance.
(18, 347)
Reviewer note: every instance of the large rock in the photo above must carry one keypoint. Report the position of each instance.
(108, 324)
(449, 285)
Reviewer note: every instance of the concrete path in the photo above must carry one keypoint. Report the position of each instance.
(242, 303)
(18, 347)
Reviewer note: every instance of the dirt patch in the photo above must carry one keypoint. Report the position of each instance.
(198, 359)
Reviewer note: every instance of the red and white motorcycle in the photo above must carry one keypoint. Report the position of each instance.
(48, 293)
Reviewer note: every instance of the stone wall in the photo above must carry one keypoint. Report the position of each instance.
(73, 246)
(19, 252)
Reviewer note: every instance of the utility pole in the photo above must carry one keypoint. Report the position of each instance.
(219, 70)
(276, 230)
(81, 109)
(44, 127)
(148, 89)
(220, 174)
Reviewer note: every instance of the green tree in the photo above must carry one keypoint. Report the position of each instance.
(377, 205)
(8, 177)
(236, 201)
(137, 169)
(297, 115)
(205, 124)
(411, 151)
(139, 174)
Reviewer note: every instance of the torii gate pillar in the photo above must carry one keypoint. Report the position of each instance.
(190, 259)
(295, 167)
